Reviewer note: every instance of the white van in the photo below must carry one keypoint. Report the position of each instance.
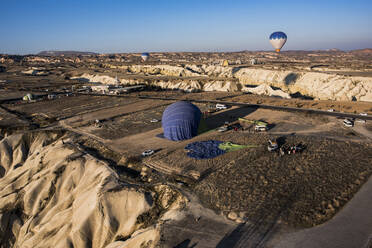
(260, 128)
(220, 106)
(348, 123)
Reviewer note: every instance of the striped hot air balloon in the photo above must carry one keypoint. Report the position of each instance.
(145, 56)
(181, 120)
(277, 40)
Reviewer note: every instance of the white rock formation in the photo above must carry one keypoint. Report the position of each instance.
(185, 85)
(259, 76)
(167, 70)
(142, 238)
(218, 71)
(229, 86)
(334, 87)
(55, 195)
(266, 90)
(188, 70)
(96, 78)
(321, 86)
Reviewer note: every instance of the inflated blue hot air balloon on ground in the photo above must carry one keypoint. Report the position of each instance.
(277, 40)
(145, 56)
(181, 120)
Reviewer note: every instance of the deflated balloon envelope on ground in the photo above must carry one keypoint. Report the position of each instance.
(277, 40)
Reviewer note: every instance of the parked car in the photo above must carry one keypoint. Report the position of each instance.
(331, 110)
(52, 96)
(148, 153)
(154, 120)
(272, 146)
(363, 114)
(220, 106)
(222, 129)
(97, 123)
(260, 128)
(236, 126)
(348, 123)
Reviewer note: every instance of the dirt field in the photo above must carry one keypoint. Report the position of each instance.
(11, 120)
(297, 101)
(265, 191)
(308, 187)
(340, 106)
(134, 123)
(19, 82)
(301, 190)
(131, 124)
(214, 95)
(64, 107)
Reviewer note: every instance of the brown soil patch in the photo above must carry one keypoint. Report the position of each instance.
(303, 189)
(69, 106)
(340, 106)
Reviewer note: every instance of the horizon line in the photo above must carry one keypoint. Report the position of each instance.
(196, 51)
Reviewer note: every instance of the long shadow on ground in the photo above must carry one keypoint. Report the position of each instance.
(256, 234)
(230, 115)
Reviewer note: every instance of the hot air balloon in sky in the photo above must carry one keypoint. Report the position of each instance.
(145, 56)
(277, 40)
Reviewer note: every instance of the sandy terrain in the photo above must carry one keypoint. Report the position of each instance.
(69, 181)
(55, 194)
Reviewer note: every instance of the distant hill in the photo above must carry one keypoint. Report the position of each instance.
(65, 53)
(366, 51)
(334, 50)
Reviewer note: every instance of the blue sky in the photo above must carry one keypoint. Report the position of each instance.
(29, 26)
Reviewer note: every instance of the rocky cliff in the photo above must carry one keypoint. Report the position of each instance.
(322, 86)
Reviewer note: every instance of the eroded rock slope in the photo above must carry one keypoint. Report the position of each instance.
(319, 85)
(55, 195)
